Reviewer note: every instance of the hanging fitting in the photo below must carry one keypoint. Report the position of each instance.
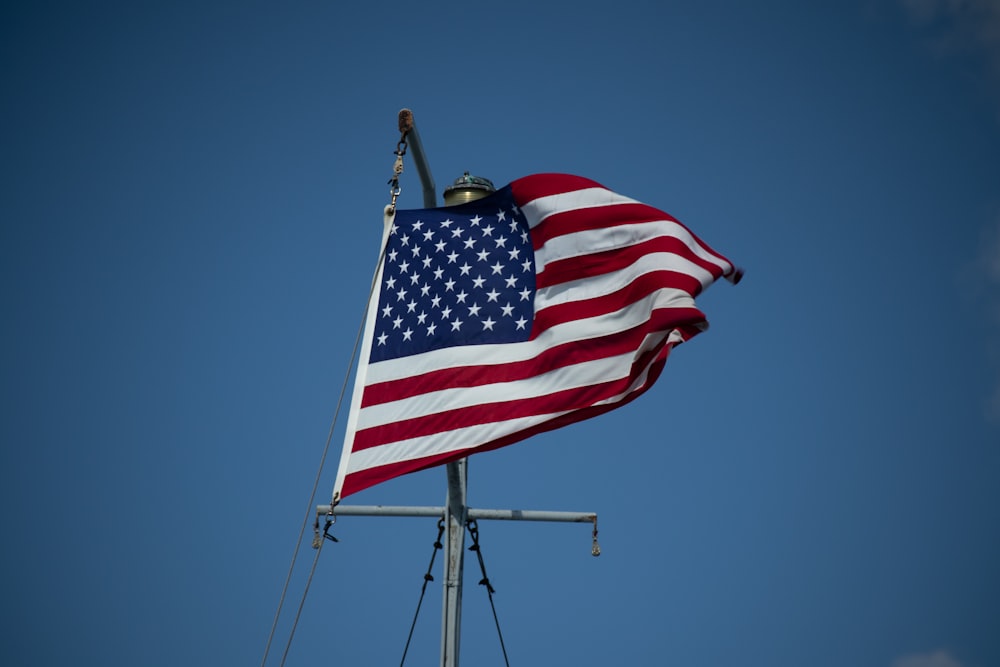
(405, 124)
(317, 538)
(595, 549)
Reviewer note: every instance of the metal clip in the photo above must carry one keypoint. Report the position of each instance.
(326, 529)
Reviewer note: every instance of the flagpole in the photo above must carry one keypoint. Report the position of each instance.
(455, 507)
(456, 514)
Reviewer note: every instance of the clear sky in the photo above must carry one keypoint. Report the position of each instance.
(191, 198)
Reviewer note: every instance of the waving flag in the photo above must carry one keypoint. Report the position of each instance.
(550, 301)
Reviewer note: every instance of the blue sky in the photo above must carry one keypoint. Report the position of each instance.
(191, 209)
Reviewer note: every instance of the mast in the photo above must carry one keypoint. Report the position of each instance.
(455, 505)
(455, 512)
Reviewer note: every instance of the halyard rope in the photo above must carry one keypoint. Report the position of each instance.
(428, 577)
(319, 474)
(485, 581)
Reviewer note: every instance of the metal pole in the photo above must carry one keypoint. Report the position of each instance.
(419, 157)
(470, 513)
(456, 510)
(455, 504)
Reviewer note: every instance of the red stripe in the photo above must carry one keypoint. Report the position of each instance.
(689, 320)
(599, 217)
(636, 290)
(574, 398)
(529, 188)
(363, 479)
(532, 187)
(616, 259)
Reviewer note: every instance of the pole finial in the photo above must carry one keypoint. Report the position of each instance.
(405, 121)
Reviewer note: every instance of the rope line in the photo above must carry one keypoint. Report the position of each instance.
(485, 581)
(302, 604)
(428, 577)
(319, 474)
(405, 125)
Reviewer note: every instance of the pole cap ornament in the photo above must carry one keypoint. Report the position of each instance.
(467, 188)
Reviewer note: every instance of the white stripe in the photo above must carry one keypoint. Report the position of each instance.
(388, 218)
(575, 376)
(506, 353)
(469, 437)
(609, 283)
(441, 443)
(587, 242)
(537, 210)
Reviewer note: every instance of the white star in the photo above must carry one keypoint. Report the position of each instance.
(401, 294)
(438, 273)
(417, 225)
(511, 281)
(452, 256)
(446, 223)
(436, 301)
(482, 255)
(407, 334)
(456, 325)
(524, 237)
(404, 239)
(501, 242)
(492, 295)
(508, 310)
(475, 221)
(487, 230)
(520, 323)
(397, 322)
(415, 278)
(514, 253)
(526, 265)
(446, 313)
(478, 281)
(513, 225)
(461, 296)
(469, 242)
(431, 329)
(427, 262)
(465, 268)
(390, 283)
(392, 255)
(488, 323)
(450, 285)
(455, 233)
(382, 338)
(422, 317)
(501, 215)
(429, 234)
(387, 311)
(404, 267)
(411, 306)
(497, 268)
(415, 250)
(525, 293)
(474, 309)
(439, 246)
(425, 289)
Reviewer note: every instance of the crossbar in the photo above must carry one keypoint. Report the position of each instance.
(471, 513)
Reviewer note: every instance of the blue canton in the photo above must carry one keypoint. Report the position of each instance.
(462, 275)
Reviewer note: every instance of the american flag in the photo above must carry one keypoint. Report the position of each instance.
(550, 301)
